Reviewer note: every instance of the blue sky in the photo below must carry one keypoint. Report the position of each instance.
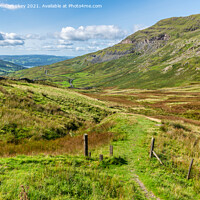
(76, 31)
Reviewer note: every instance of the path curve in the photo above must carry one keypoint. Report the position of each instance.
(69, 79)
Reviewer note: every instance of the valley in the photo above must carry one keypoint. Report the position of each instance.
(146, 86)
(163, 55)
(49, 148)
(29, 61)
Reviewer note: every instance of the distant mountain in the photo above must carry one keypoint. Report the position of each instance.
(33, 60)
(8, 67)
(164, 55)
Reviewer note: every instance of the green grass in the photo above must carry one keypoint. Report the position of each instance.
(62, 177)
(41, 142)
(74, 177)
(168, 181)
(68, 177)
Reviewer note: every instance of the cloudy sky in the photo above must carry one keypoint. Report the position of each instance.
(76, 27)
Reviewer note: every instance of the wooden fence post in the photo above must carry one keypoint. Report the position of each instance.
(154, 153)
(190, 168)
(111, 150)
(152, 147)
(85, 144)
(100, 157)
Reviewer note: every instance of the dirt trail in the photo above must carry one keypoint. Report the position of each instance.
(150, 118)
(148, 194)
(153, 119)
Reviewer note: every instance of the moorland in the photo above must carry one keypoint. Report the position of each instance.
(145, 87)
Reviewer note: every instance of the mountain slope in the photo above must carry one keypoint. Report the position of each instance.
(6, 67)
(165, 54)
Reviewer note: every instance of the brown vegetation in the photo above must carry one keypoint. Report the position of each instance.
(162, 104)
(58, 146)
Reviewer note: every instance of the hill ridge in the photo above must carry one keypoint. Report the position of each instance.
(7, 67)
(163, 55)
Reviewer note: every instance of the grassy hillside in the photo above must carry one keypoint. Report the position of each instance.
(41, 142)
(8, 67)
(33, 113)
(164, 55)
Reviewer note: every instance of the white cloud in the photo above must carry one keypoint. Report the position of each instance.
(103, 42)
(80, 48)
(88, 48)
(93, 38)
(92, 32)
(58, 47)
(11, 42)
(10, 39)
(64, 43)
(11, 6)
(138, 27)
(33, 36)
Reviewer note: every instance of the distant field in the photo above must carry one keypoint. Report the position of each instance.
(33, 60)
(181, 103)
